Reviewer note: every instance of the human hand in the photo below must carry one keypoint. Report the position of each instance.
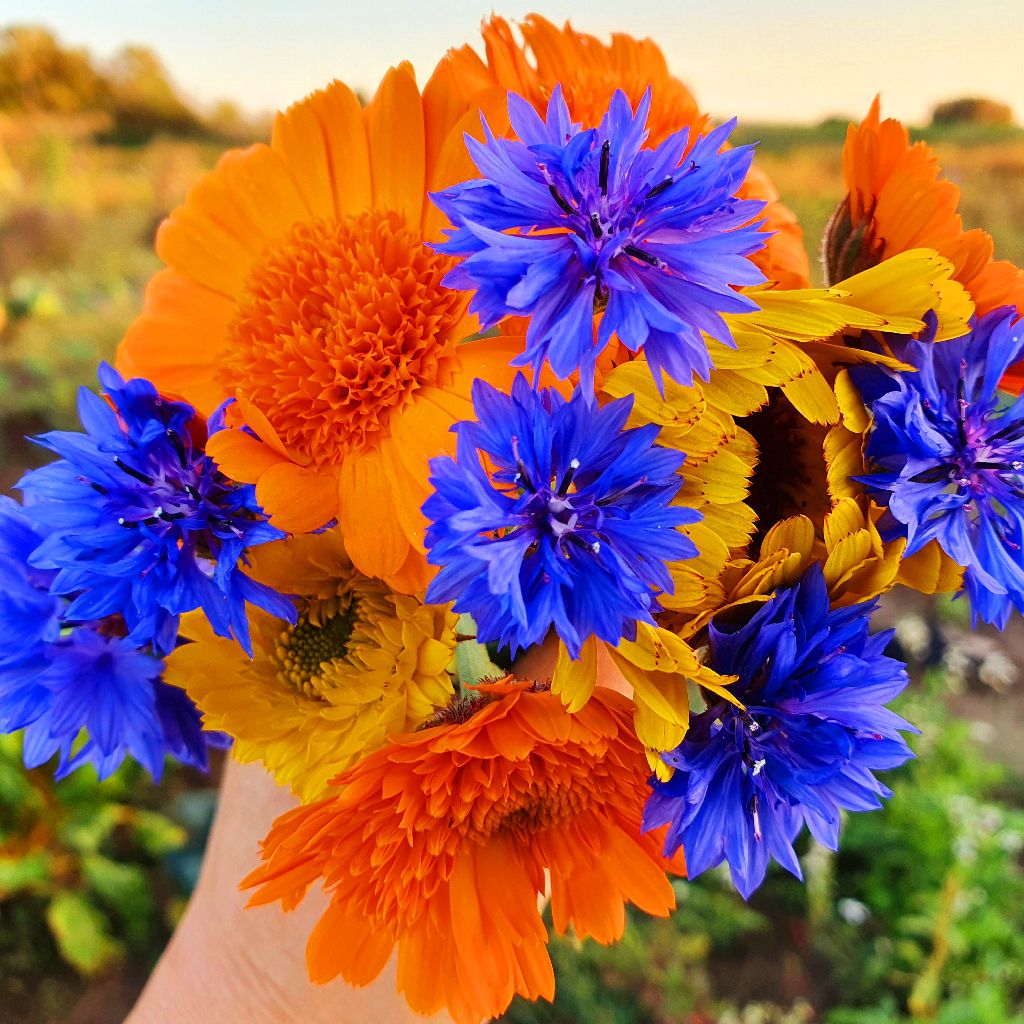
(227, 963)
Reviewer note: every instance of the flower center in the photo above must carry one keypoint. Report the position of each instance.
(790, 475)
(540, 806)
(340, 325)
(173, 491)
(607, 225)
(315, 641)
(553, 508)
(988, 448)
(988, 458)
(182, 494)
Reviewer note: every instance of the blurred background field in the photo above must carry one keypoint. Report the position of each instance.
(920, 918)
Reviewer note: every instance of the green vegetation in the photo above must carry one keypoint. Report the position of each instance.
(92, 877)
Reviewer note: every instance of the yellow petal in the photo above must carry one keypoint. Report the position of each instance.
(574, 679)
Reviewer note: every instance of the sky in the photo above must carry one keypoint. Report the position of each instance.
(760, 59)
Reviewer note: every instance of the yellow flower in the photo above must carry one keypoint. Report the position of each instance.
(771, 440)
(788, 383)
(361, 663)
(798, 340)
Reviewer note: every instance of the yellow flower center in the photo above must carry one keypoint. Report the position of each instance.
(315, 642)
(340, 324)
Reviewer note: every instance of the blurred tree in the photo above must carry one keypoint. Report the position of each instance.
(227, 122)
(143, 100)
(37, 74)
(133, 91)
(972, 110)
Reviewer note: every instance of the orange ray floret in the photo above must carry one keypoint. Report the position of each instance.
(896, 201)
(589, 72)
(298, 285)
(439, 844)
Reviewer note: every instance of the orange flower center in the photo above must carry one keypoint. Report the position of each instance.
(341, 324)
(542, 806)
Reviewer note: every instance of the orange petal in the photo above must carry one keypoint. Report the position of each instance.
(372, 531)
(297, 500)
(192, 242)
(323, 142)
(415, 575)
(208, 241)
(394, 124)
(341, 115)
(451, 163)
(177, 339)
(260, 190)
(489, 359)
(298, 138)
(226, 198)
(422, 963)
(345, 943)
(254, 417)
(423, 432)
(410, 490)
(241, 456)
(444, 105)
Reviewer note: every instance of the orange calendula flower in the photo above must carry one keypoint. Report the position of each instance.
(439, 844)
(590, 71)
(299, 285)
(896, 201)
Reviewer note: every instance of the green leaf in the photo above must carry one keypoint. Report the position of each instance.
(157, 834)
(472, 659)
(81, 933)
(473, 663)
(465, 626)
(26, 873)
(89, 824)
(125, 889)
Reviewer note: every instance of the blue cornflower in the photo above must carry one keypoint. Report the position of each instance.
(813, 682)
(29, 619)
(567, 222)
(140, 523)
(106, 686)
(567, 521)
(80, 690)
(949, 455)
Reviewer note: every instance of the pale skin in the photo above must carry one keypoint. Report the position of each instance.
(226, 963)
(229, 964)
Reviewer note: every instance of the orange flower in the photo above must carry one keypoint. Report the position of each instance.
(590, 71)
(298, 284)
(440, 841)
(897, 201)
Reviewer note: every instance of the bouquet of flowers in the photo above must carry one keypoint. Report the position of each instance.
(484, 466)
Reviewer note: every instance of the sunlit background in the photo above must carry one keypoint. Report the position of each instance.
(110, 111)
(798, 61)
